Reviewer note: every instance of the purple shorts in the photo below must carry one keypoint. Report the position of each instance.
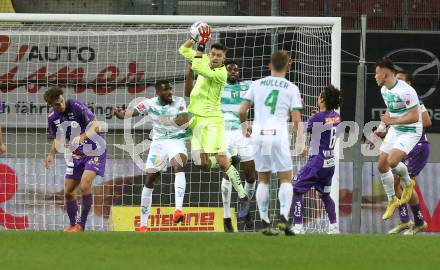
(313, 175)
(78, 164)
(417, 158)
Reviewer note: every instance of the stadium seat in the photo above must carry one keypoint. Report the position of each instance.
(349, 23)
(382, 13)
(382, 8)
(421, 13)
(302, 7)
(419, 23)
(380, 23)
(419, 7)
(349, 10)
(261, 8)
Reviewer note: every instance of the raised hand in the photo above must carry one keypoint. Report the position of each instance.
(205, 34)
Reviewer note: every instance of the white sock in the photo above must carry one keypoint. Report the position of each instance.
(249, 189)
(226, 197)
(262, 196)
(179, 189)
(147, 194)
(285, 195)
(387, 180)
(402, 171)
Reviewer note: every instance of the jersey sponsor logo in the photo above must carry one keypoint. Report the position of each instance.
(268, 132)
(125, 218)
(332, 120)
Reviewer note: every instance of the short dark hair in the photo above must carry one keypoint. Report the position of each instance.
(230, 62)
(386, 62)
(408, 76)
(219, 46)
(159, 83)
(53, 94)
(279, 60)
(332, 97)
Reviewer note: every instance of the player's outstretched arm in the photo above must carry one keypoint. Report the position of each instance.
(411, 117)
(189, 80)
(2, 145)
(122, 114)
(92, 129)
(242, 114)
(426, 119)
(51, 156)
(298, 132)
(186, 50)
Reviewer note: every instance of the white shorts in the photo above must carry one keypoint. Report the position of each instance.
(239, 145)
(272, 157)
(404, 141)
(161, 153)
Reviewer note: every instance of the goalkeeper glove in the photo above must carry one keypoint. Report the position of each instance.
(205, 36)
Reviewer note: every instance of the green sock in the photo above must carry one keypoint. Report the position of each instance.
(234, 177)
(213, 161)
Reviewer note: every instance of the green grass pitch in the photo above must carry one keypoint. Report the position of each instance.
(111, 250)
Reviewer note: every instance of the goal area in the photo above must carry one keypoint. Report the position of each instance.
(112, 60)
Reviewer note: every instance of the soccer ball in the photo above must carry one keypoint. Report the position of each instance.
(194, 30)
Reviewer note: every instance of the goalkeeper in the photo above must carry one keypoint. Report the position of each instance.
(207, 123)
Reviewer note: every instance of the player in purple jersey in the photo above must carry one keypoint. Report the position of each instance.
(319, 169)
(415, 161)
(72, 120)
(2, 145)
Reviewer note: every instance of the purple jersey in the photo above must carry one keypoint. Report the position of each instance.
(319, 169)
(80, 116)
(419, 155)
(322, 128)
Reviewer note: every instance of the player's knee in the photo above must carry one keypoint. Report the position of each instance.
(178, 168)
(205, 166)
(382, 167)
(149, 180)
(393, 162)
(235, 161)
(85, 188)
(69, 196)
(250, 178)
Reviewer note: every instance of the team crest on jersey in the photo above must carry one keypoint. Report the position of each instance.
(141, 107)
(74, 124)
(95, 161)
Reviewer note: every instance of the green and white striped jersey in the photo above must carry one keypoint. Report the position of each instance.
(400, 99)
(230, 102)
(163, 117)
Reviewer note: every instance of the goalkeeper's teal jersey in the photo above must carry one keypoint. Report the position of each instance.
(230, 103)
(206, 94)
